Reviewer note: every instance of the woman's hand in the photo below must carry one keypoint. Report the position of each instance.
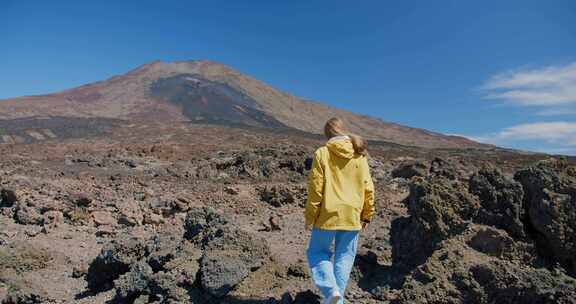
(365, 225)
(308, 227)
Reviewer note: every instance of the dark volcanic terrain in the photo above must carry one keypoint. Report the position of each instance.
(186, 183)
(194, 213)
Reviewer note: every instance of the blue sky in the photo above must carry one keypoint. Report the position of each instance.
(502, 72)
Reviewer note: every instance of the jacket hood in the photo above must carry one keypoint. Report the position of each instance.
(341, 147)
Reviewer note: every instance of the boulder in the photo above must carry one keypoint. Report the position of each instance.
(444, 168)
(229, 254)
(134, 283)
(166, 266)
(184, 256)
(114, 260)
(501, 199)
(456, 273)
(283, 194)
(162, 267)
(229, 258)
(439, 208)
(7, 197)
(201, 223)
(130, 213)
(27, 215)
(104, 218)
(412, 242)
(162, 248)
(441, 205)
(300, 165)
(243, 164)
(186, 267)
(249, 164)
(509, 285)
(153, 219)
(168, 206)
(221, 271)
(409, 169)
(550, 202)
(168, 287)
(251, 248)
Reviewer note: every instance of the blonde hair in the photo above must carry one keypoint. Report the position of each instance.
(335, 127)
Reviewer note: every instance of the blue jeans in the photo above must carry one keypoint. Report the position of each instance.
(330, 277)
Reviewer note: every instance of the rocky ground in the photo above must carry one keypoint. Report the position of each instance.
(206, 214)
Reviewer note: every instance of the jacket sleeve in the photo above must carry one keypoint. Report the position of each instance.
(315, 190)
(368, 210)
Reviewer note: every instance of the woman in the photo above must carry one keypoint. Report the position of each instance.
(340, 204)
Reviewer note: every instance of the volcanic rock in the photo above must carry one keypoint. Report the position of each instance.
(501, 199)
(104, 218)
(409, 169)
(439, 208)
(550, 203)
(7, 197)
(114, 260)
(27, 215)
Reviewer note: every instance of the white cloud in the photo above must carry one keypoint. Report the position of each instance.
(551, 91)
(557, 111)
(551, 137)
(553, 86)
(553, 132)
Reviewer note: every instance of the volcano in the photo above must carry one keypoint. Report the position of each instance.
(198, 92)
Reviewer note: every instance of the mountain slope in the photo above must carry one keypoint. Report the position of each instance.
(209, 92)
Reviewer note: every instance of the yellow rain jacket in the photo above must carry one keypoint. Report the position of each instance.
(340, 188)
